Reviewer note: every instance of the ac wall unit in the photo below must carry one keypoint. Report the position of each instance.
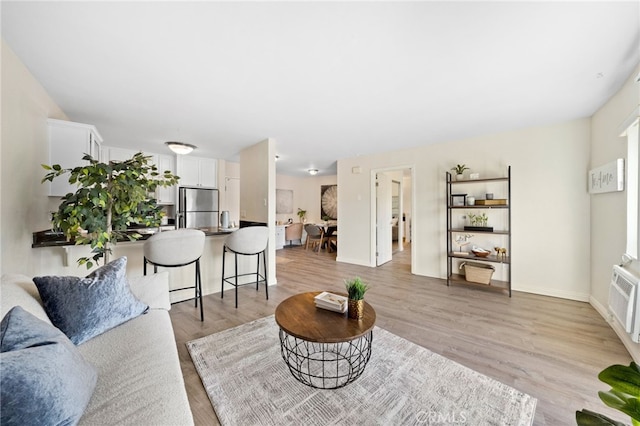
(624, 301)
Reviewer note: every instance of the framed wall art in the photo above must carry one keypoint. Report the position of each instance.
(284, 201)
(607, 178)
(329, 202)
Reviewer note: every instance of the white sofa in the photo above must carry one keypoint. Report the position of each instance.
(139, 376)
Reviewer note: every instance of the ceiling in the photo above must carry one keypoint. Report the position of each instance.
(326, 80)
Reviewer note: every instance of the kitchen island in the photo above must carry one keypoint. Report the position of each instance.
(58, 256)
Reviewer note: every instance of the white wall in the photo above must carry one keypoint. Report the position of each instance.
(608, 210)
(24, 146)
(306, 195)
(258, 192)
(550, 204)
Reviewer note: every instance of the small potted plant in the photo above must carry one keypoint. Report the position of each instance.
(356, 289)
(459, 169)
(302, 214)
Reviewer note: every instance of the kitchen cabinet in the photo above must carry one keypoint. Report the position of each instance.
(162, 161)
(280, 237)
(496, 210)
(197, 171)
(166, 195)
(68, 143)
(117, 154)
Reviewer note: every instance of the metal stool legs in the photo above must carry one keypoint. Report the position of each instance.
(197, 286)
(235, 282)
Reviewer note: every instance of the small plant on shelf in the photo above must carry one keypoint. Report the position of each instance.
(478, 219)
(459, 169)
(356, 288)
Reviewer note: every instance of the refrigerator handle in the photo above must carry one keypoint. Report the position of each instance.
(182, 205)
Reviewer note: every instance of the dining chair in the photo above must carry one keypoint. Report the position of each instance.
(293, 232)
(315, 236)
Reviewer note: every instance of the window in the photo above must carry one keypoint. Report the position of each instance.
(633, 189)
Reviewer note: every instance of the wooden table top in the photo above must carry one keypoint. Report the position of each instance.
(299, 317)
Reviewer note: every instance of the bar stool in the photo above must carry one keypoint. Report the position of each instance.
(250, 241)
(172, 249)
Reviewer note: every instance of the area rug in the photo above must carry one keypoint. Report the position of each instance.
(248, 383)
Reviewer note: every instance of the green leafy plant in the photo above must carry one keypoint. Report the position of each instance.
(356, 288)
(109, 198)
(301, 214)
(460, 168)
(624, 396)
(478, 219)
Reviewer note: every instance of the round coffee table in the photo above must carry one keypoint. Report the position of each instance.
(323, 349)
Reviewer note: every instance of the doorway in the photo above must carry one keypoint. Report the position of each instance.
(392, 215)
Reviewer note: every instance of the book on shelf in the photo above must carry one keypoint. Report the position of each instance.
(332, 302)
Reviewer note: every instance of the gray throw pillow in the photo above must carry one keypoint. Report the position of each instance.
(86, 307)
(44, 380)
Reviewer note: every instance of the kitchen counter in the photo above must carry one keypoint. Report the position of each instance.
(50, 238)
(59, 257)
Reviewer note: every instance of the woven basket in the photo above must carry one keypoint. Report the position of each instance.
(477, 272)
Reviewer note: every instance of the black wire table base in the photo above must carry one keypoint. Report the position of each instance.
(326, 365)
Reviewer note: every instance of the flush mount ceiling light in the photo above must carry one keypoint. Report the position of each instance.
(180, 147)
(313, 172)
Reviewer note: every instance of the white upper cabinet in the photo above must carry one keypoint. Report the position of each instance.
(68, 143)
(111, 153)
(197, 171)
(166, 195)
(162, 161)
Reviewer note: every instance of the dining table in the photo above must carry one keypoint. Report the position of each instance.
(330, 228)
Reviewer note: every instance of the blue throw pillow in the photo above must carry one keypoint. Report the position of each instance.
(86, 307)
(44, 380)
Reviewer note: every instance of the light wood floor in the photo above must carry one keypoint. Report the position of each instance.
(552, 349)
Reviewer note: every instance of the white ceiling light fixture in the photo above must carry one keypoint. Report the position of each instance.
(180, 148)
(313, 172)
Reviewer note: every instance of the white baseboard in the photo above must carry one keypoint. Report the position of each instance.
(580, 297)
(632, 347)
(353, 261)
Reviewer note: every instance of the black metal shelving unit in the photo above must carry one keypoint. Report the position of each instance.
(505, 260)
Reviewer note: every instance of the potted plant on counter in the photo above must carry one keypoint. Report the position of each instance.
(302, 214)
(356, 289)
(109, 198)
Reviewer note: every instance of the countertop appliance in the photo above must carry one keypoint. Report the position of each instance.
(198, 207)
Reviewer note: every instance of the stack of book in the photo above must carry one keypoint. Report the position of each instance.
(331, 302)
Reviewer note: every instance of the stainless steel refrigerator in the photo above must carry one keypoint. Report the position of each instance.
(198, 207)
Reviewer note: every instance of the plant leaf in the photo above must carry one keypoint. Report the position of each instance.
(622, 378)
(589, 418)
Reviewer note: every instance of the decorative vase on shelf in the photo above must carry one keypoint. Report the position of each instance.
(460, 177)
